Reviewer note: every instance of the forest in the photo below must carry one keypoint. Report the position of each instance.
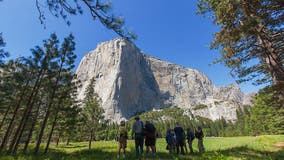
(38, 93)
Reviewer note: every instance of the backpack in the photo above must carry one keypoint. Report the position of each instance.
(190, 136)
(151, 128)
(123, 133)
(138, 127)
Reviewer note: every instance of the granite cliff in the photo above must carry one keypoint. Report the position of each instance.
(130, 82)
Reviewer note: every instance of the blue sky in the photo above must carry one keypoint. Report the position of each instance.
(169, 30)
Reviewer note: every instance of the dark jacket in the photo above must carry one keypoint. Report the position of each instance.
(170, 138)
(190, 136)
(199, 135)
(150, 130)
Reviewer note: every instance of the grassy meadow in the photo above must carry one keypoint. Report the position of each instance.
(231, 148)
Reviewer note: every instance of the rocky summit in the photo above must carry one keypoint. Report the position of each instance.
(129, 82)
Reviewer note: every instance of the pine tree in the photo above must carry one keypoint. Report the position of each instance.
(3, 53)
(65, 58)
(267, 114)
(41, 83)
(40, 63)
(92, 111)
(99, 11)
(66, 103)
(17, 77)
(250, 37)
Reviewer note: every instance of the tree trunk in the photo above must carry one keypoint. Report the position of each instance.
(4, 117)
(17, 107)
(49, 106)
(42, 130)
(90, 140)
(276, 70)
(32, 128)
(19, 132)
(51, 132)
(68, 140)
(57, 141)
(11, 124)
(275, 66)
(270, 55)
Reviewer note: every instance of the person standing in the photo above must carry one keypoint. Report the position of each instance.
(170, 139)
(122, 139)
(190, 138)
(199, 135)
(150, 138)
(179, 132)
(137, 133)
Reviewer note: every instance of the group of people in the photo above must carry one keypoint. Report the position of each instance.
(175, 138)
(139, 133)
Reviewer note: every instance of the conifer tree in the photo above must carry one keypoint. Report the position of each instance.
(267, 114)
(17, 77)
(3, 53)
(98, 10)
(40, 63)
(65, 58)
(92, 111)
(250, 38)
(66, 102)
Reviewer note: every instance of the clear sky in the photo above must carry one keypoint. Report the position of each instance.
(169, 30)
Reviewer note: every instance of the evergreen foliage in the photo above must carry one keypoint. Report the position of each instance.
(3, 54)
(36, 92)
(250, 37)
(92, 113)
(267, 113)
(99, 11)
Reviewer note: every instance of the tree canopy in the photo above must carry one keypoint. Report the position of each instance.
(36, 87)
(3, 54)
(92, 112)
(98, 10)
(250, 37)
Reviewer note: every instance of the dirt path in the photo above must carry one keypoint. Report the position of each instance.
(279, 145)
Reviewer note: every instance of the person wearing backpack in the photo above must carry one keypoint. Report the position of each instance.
(199, 135)
(190, 138)
(179, 132)
(137, 134)
(122, 139)
(170, 139)
(150, 138)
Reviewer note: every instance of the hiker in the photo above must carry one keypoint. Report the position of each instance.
(137, 133)
(199, 135)
(150, 138)
(190, 138)
(122, 139)
(179, 132)
(170, 139)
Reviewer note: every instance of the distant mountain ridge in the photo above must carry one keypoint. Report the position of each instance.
(129, 81)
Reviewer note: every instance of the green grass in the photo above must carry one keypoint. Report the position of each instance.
(231, 148)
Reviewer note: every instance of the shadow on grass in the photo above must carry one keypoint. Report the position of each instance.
(71, 146)
(252, 154)
(102, 154)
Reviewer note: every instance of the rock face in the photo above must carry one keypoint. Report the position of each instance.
(130, 82)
